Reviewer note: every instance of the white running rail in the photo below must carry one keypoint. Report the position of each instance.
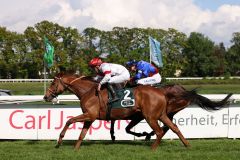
(168, 78)
(70, 98)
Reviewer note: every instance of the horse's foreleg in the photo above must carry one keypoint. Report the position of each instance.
(175, 129)
(86, 126)
(165, 128)
(112, 130)
(80, 118)
(158, 131)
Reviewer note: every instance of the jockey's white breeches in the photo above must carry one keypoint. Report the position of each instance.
(156, 78)
(119, 78)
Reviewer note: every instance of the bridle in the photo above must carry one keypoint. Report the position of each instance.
(66, 86)
(53, 92)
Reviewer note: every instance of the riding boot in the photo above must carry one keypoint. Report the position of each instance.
(113, 93)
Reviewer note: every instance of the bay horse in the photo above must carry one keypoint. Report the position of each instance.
(175, 104)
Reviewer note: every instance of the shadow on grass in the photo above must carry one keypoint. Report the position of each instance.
(108, 142)
(88, 142)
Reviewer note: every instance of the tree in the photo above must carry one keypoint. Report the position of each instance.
(21, 55)
(11, 47)
(199, 55)
(219, 55)
(91, 35)
(172, 44)
(233, 56)
(66, 41)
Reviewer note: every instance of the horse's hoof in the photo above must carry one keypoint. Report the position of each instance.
(145, 134)
(76, 148)
(113, 139)
(148, 137)
(57, 146)
(153, 148)
(188, 146)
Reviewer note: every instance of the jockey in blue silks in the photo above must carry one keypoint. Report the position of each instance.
(146, 73)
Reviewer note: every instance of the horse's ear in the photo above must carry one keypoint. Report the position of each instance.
(62, 69)
(71, 71)
(60, 74)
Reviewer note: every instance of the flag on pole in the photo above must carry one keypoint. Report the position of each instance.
(155, 52)
(49, 50)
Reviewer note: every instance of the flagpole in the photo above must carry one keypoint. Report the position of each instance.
(149, 49)
(45, 85)
(48, 59)
(150, 54)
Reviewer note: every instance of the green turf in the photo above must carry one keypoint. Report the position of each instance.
(25, 88)
(28, 88)
(211, 149)
(215, 88)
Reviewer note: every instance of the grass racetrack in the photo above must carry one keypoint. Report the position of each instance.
(219, 149)
(202, 149)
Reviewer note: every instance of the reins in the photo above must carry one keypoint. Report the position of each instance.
(100, 98)
(69, 87)
(79, 78)
(99, 93)
(76, 80)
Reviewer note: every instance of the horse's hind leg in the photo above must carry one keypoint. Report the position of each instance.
(133, 123)
(175, 129)
(112, 130)
(158, 131)
(164, 128)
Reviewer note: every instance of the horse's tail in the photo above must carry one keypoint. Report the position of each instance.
(204, 102)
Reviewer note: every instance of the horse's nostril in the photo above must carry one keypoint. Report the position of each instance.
(45, 97)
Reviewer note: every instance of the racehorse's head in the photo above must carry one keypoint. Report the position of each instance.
(57, 87)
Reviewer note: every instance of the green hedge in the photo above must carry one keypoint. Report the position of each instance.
(203, 81)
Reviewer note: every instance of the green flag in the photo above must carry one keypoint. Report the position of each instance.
(48, 55)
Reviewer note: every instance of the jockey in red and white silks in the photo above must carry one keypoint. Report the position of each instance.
(111, 73)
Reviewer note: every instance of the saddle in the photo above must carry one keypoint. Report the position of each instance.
(125, 92)
(125, 95)
(126, 98)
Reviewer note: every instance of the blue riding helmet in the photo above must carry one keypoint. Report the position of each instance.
(131, 63)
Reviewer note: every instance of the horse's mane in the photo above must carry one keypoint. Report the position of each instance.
(66, 74)
(89, 78)
(166, 86)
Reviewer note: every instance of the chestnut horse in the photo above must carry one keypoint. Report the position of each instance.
(175, 104)
(149, 102)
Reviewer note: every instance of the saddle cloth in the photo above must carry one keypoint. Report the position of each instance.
(126, 98)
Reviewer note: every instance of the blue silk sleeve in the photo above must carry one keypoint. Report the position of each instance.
(138, 75)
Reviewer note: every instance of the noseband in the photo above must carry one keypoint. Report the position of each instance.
(53, 92)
